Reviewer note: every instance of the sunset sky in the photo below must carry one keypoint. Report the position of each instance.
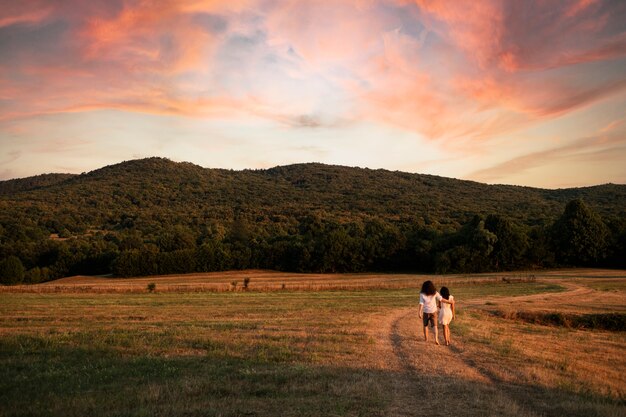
(515, 92)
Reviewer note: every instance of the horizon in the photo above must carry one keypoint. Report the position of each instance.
(301, 163)
(512, 93)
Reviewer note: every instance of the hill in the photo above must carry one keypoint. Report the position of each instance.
(159, 205)
(136, 187)
(31, 183)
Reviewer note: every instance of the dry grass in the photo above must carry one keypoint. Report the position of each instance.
(503, 367)
(352, 352)
(262, 281)
(584, 362)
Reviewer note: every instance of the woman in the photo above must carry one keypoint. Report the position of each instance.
(447, 312)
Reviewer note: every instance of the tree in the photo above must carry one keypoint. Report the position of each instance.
(418, 253)
(381, 244)
(177, 262)
(176, 238)
(136, 263)
(467, 250)
(510, 248)
(617, 243)
(11, 270)
(579, 235)
(336, 251)
(239, 231)
(212, 256)
(540, 252)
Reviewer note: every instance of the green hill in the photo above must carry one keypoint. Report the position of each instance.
(145, 200)
(183, 189)
(31, 183)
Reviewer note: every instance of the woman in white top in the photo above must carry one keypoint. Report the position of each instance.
(447, 313)
(428, 306)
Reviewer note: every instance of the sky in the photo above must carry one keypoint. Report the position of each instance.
(527, 92)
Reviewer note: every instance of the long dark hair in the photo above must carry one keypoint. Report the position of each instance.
(428, 288)
(445, 292)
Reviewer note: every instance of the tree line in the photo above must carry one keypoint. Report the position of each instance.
(313, 243)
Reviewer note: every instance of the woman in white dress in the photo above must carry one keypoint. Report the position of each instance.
(447, 312)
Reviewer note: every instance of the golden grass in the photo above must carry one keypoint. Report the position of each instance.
(515, 352)
(261, 281)
(83, 349)
(503, 367)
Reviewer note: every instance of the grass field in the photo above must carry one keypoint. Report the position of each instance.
(258, 281)
(328, 346)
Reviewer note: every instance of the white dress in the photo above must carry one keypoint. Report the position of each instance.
(445, 315)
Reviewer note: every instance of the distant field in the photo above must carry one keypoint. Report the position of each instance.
(326, 345)
(279, 281)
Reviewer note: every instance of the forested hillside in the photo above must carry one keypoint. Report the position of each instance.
(31, 183)
(154, 216)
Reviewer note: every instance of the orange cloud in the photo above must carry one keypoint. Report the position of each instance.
(512, 72)
(474, 26)
(21, 15)
(606, 142)
(149, 36)
(578, 7)
(515, 36)
(460, 70)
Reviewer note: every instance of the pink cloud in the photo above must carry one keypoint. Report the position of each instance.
(537, 99)
(515, 36)
(17, 13)
(159, 37)
(502, 66)
(327, 32)
(612, 126)
(579, 7)
(109, 57)
(459, 70)
(474, 26)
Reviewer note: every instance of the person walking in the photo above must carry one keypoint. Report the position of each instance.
(447, 313)
(428, 308)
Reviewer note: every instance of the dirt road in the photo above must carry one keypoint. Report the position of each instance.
(432, 380)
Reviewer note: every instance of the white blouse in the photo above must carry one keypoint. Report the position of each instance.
(430, 302)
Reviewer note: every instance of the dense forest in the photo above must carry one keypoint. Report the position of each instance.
(155, 216)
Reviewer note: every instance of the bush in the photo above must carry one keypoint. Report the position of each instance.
(11, 270)
(33, 276)
(615, 322)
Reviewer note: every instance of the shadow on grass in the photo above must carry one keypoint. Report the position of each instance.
(534, 400)
(464, 397)
(614, 322)
(43, 379)
(40, 379)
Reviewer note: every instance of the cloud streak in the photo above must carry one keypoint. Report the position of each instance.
(608, 144)
(458, 74)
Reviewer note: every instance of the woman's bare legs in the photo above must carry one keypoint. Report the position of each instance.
(436, 333)
(446, 334)
(426, 333)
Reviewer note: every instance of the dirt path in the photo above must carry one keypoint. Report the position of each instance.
(449, 377)
(572, 290)
(447, 383)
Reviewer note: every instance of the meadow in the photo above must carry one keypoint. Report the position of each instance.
(312, 345)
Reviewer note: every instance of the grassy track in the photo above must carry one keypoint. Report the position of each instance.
(213, 354)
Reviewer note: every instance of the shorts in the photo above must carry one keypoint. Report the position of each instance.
(430, 317)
